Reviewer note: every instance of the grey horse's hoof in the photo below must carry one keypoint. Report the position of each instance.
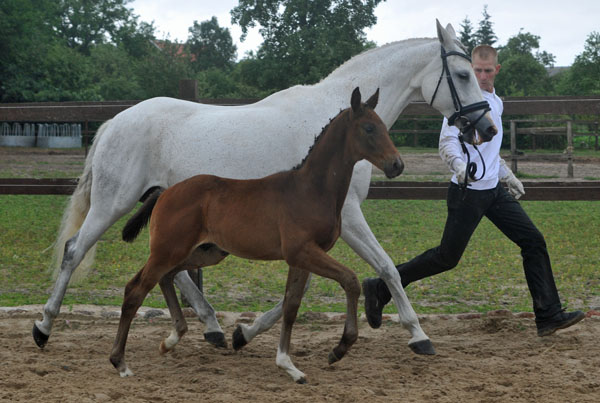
(302, 381)
(217, 339)
(423, 347)
(238, 340)
(40, 338)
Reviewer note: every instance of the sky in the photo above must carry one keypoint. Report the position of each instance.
(562, 25)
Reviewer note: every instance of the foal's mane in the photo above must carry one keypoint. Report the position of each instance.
(317, 139)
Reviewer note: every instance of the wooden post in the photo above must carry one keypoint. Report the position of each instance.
(415, 135)
(86, 137)
(570, 148)
(188, 89)
(596, 140)
(513, 146)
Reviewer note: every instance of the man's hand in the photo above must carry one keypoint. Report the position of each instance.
(515, 187)
(460, 170)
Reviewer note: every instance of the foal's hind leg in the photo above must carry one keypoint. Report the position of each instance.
(179, 323)
(243, 333)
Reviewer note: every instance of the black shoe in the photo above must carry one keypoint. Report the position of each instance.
(373, 303)
(561, 320)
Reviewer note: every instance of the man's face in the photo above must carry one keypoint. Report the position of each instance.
(485, 71)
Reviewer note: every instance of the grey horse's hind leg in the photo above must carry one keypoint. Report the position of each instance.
(203, 256)
(75, 250)
(243, 333)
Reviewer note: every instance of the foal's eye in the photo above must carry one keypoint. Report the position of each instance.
(369, 128)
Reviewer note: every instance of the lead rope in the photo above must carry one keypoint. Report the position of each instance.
(471, 169)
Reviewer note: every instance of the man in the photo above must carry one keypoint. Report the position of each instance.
(483, 197)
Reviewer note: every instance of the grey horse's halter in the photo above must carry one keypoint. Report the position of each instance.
(460, 112)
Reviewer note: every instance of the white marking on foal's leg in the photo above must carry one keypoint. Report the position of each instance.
(284, 362)
(170, 342)
(126, 372)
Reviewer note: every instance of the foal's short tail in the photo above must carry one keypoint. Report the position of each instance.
(74, 215)
(141, 217)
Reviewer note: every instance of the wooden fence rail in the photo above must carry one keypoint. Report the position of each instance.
(378, 190)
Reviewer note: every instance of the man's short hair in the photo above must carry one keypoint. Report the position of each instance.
(485, 52)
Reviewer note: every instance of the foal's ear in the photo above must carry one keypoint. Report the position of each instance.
(372, 102)
(355, 101)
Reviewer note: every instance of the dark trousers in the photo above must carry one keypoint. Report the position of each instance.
(464, 214)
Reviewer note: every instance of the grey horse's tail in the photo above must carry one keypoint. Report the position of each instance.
(141, 217)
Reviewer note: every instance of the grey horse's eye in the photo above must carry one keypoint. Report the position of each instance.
(463, 75)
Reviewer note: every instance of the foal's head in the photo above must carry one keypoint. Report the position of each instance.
(370, 138)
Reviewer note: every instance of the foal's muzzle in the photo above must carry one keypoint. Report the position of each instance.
(393, 168)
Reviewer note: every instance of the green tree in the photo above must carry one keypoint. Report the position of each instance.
(582, 78)
(467, 37)
(211, 46)
(40, 61)
(303, 40)
(26, 37)
(524, 67)
(84, 23)
(485, 33)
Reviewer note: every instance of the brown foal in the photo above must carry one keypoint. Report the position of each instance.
(294, 216)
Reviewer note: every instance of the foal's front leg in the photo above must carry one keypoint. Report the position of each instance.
(243, 333)
(294, 290)
(314, 259)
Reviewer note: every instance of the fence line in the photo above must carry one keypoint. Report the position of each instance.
(550, 191)
(95, 112)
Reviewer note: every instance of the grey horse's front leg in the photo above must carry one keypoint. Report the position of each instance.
(356, 232)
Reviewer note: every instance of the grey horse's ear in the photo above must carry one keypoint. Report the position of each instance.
(451, 31)
(443, 35)
(355, 101)
(372, 101)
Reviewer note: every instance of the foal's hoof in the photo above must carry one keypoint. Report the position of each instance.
(238, 340)
(40, 338)
(333, 358)
(217, 339)
(424, 347)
